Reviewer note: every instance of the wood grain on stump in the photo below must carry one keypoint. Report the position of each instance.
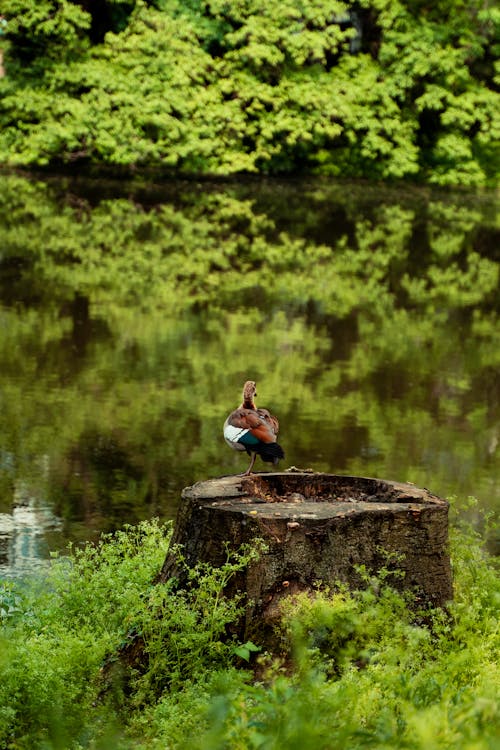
(319, 528)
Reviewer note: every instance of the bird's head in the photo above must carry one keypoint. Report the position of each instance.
(249, 391)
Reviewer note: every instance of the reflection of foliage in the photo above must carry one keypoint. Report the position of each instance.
(131, 324)
(353, 89)
(220, 246)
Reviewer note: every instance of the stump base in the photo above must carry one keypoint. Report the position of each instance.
(318, 528)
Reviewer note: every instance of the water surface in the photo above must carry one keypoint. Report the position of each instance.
(131, 315)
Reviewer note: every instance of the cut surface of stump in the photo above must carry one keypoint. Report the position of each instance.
(318, 529)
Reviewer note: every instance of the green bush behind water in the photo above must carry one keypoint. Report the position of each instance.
(255, 86)
(366, 672)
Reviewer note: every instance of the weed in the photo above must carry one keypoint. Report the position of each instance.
(364, 674)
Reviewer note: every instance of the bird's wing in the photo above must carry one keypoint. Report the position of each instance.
(271, 420)
(256, 423)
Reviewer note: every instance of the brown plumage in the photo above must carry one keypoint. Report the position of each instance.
(253, 430)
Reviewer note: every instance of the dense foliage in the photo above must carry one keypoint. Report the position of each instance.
(377, 88)
(356, 670)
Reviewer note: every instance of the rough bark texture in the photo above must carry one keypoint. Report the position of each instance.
(318, 528)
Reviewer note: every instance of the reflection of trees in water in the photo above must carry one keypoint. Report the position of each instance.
(24, 534)
(153, 249)
(367, 316)
(98, 480)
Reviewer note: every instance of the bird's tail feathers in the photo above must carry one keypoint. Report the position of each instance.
(270, 452)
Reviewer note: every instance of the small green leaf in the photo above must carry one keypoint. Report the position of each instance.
(245, 650)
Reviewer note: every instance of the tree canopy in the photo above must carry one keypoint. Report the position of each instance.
(376, 88)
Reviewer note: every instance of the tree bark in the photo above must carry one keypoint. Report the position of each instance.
(319, 529)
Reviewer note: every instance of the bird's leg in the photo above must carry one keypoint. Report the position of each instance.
(248, 471)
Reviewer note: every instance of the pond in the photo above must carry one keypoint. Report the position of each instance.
(132, 313)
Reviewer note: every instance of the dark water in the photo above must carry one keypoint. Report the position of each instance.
(132, 314)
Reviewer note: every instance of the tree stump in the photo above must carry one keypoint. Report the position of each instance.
(318, 528)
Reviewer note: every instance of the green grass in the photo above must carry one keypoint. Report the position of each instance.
(357, 670)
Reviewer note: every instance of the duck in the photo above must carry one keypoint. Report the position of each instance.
(253, 430)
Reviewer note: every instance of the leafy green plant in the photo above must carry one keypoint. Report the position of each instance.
(185, 631)
(11, 602)
(63, 680)
(360, 669)
(366, 674)
(369, 89)
(41, 34)
(56, 643)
